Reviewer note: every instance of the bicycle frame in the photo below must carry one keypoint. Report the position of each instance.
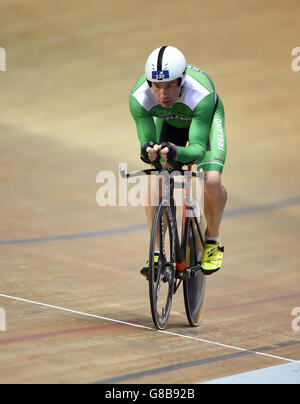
(183, 265)
(180, 246)
(168, 195)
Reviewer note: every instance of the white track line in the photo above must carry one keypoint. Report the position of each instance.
(148, 328)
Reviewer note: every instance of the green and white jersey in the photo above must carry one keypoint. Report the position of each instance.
(194, 109)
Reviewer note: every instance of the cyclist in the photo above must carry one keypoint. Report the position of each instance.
(180, 117)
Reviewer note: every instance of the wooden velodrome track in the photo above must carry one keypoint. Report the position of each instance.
(64, 117)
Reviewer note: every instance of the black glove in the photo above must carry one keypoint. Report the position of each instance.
(173, 152)
(144, 156)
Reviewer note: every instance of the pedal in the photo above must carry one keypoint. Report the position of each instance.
(191, 272)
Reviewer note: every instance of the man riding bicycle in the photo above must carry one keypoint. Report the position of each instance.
(180, 117)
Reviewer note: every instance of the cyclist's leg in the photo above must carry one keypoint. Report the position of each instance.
(215, 198)
(154, 195)
(215, 194)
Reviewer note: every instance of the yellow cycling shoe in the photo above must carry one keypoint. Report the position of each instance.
(145, 270)
(212, 257)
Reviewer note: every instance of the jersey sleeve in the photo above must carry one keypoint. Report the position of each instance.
(199, 131)
(145, 125)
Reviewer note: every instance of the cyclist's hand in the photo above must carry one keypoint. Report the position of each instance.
(150, 152)
(168, 151)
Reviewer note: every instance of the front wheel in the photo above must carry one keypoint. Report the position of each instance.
(162, 269)
(194, 287)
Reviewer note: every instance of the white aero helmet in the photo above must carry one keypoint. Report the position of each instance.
(166, 64)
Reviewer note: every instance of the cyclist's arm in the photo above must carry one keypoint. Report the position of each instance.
(199, 131)
(145, 125)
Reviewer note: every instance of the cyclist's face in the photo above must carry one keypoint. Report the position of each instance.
(166, 93)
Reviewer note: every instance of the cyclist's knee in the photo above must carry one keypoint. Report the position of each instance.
(154, 190)
(212, 180)
(213, 184)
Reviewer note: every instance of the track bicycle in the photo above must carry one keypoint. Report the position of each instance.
(179, 257)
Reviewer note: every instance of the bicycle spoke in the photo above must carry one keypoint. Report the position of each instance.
(161, 280)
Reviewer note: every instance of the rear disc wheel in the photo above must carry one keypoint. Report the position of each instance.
(194, 288)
